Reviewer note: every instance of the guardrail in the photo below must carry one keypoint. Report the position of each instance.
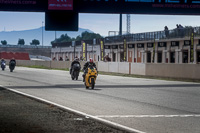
(157, 35)
(146, 36)
(24, 46)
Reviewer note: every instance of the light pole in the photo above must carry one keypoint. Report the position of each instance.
(42, 33)
(120, 24)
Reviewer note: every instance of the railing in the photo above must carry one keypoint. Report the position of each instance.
(24, 46)
(157, 35)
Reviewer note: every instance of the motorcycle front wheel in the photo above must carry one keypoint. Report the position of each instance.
(92, 82)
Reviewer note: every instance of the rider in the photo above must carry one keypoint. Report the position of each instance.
(76, 60)
(90, 62)
(12, 60)
(2, 60)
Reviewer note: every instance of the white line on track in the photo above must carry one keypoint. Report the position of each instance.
(147, 116)
(122, 127)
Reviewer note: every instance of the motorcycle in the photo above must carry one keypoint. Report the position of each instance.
(90, 77)
(12, 65)
(75, 71)
(3, 65)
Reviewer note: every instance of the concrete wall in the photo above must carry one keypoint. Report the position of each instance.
(116, 67)
(123, 67)
(190, 71)
(43, 63)
(60, 64)
(113, 67)
(33, 63)
(103, 66)
(24, 62)
(138, 68)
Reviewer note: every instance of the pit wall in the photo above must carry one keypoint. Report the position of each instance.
(48, 64)
(188, 71)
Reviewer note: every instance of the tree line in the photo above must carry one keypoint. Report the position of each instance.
(63, 38)
(84, 36)
(22, 42)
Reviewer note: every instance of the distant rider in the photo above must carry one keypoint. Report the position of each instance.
(91, 63)
(2, 60)
(76, 61)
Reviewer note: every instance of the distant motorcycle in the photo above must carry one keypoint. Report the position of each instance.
(3, 65)
(12, 65)
(75, 71)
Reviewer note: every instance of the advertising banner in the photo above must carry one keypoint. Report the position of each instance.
(102, 49)
(84, 51)
(60, 4)
(165, 7)
(23, 5)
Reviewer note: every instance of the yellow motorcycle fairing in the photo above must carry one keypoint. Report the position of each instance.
(90, 78)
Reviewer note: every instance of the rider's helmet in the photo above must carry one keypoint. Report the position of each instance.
(76, 59)
(91, 60)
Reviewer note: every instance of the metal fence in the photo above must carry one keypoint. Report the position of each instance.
(157, 35)
(24, 46)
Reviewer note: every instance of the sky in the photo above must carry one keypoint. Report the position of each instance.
(99, 23)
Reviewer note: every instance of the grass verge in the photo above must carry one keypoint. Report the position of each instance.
(44, 67)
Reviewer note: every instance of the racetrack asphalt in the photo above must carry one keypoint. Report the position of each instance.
(20, 114)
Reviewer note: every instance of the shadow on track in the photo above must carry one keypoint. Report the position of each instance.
(98, 87)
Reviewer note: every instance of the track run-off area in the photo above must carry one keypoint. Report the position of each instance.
(144, 105)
